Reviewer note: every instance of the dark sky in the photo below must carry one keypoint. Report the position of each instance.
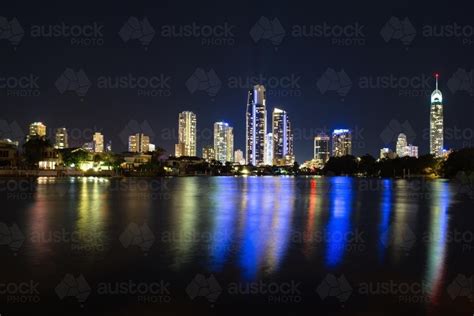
(376, 113)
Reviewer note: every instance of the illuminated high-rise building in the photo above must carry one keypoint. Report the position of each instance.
(411, 151)
(61, 140)
(108, 146)
(239, 157)
(269, 149)
(208, 153)
(282, 138)
(37, 129)
(436, 122)
(138, 143)
(256, 125)
(223, 142)
(401, 145)
(186, 145)
(98, 141)
(387, 153)
(322, 148)
(341, 142)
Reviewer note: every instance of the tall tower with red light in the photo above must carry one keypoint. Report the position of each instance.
(436, 121)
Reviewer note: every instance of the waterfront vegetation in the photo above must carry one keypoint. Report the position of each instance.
(158, 164)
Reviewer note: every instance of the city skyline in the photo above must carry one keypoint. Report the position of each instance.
(256, 115)
(390, 79)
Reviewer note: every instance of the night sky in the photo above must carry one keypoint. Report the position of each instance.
(376, 113)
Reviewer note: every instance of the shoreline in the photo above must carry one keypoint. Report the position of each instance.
(27, 174)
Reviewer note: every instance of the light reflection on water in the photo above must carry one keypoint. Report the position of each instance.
(438, 229)
(248, 224)
(340, 199)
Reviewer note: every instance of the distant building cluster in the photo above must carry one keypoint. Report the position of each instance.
(263, 147)
(402, 149)
(266, 143)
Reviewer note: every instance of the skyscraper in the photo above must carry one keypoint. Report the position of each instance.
(412, 151)
(98, 141)
(223, 142)
(138, 143)
(61, 140)
(282, 138)
(256, 125)
(239, 157)
(208, 153)
(341, 142)
(186, 145)
(401, 145)
(269, 149)
(436, 122)
(37, 129)
(108, 146)
(322, 150)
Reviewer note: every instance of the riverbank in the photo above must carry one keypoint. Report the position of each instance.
(17, 173)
